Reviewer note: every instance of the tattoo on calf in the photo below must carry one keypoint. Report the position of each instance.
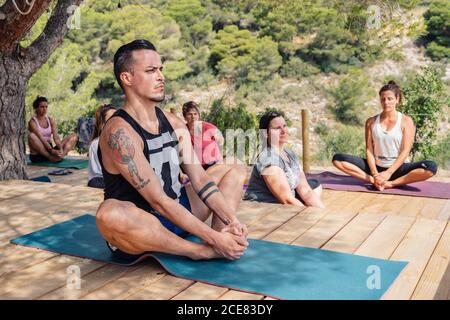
(123, 151)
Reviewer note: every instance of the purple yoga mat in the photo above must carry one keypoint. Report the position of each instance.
(429, 189)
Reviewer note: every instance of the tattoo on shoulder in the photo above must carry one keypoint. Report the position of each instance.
(123, 151)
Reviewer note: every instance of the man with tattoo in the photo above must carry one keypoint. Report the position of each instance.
(141, 149)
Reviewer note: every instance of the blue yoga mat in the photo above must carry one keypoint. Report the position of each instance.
(267, 268)
(67, 162)
(41, 179)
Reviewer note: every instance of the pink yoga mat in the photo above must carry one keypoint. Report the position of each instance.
(429, 189)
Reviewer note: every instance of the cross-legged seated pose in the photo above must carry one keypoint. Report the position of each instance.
(95, 176)
(41, 128)
(389, 139)
(277, 176)
(141, 149)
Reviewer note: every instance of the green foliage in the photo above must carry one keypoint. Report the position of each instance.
(237, 119)
(437, 20)
(329, 34)
(296, 68)
(342, 139)
(350, 95)
(424, 101)
(442, 155)
(228, 117)
(192, 18)
(240, 56)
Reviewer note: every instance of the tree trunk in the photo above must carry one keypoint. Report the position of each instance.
(13, 82)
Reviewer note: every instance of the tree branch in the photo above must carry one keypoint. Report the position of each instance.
(52, 36)
(19, 17)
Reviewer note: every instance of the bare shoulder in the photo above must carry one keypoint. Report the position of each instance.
(117, 128)
(407, 119)
(370, 122)
(175, 121)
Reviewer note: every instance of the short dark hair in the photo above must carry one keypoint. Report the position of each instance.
(123, 57)
(38, 101)
(392, 86)
(189, 106)
(266, 118)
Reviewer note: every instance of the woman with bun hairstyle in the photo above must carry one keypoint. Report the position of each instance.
(41, 130)
(389, 139)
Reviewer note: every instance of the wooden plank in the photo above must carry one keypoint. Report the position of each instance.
(331, 224)
(32, 282)
(376, 206)
(444, 214)
(251, 211)
(416, 248)
(383, 241)
(14, 258)
(89, 283)
(394, 205)
(435, 281)
(354, 233)
(296, 226)
(131, 282)
(413, 207)
(14, 188)
(201, 291)
(432, 208)
(272, 221)
(239, 295)
(14, 229)
(163, 289)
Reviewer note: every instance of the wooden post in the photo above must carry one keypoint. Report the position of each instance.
(305, 140)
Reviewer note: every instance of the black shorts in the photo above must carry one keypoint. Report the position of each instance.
(404, 169)
(97, 182)
(35, 158)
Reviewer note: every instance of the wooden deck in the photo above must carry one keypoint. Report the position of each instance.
(382, 226)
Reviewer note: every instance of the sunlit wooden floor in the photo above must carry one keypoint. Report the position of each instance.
(382, 226)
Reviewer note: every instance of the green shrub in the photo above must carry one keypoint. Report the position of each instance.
(437, 20)
(296, 68)
(342, 139)
(424, 102)
(442, 155)
(234, 118)
(350, 95)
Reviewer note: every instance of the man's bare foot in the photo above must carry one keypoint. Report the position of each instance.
(205, 252)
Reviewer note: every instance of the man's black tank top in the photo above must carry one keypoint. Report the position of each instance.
(161, 150)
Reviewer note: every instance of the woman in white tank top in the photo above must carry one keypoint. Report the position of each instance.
(389, 139)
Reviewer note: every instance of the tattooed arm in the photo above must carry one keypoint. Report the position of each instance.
(122, 154)
(122, 149)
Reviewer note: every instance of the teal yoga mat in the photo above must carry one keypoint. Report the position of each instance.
(65, 163)
(268, 268)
